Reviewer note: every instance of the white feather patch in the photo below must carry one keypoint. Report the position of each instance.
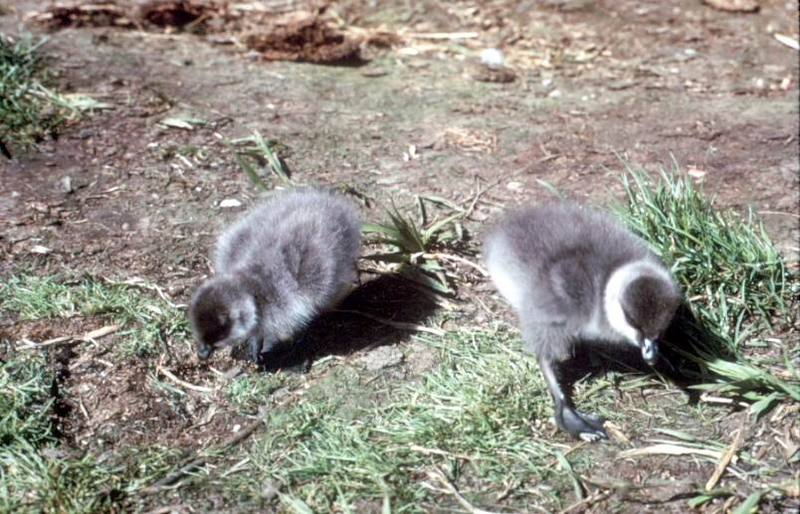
(617, 283)
(503, 274)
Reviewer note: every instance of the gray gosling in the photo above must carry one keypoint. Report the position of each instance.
(574, 274)
(290, 259)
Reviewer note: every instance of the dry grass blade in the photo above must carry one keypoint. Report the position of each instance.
(256, 148)
(586, 502)
(456, 258)
(669, 449)
(87, 337)
(436, 451)
(440, 477)
(726, 459)
(167, 373)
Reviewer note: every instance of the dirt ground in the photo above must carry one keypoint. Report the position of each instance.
(593, 82)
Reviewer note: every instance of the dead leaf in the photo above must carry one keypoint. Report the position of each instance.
(182, 123)
(41, 250)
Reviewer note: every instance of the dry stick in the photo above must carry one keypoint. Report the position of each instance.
(586, 502)
(167, 373)
(494, 183)
(138, 283)
(396, 324)
(456, 258)
(442, 478)
(171, 509)
(726, 459)
(436, 451)
(87, 337)
(200, 460)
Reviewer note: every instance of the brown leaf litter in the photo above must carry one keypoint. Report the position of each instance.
(302, 35)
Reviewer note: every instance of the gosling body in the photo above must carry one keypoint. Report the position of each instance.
(575, 274)
(284, 263)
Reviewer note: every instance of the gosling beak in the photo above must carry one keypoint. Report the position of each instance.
(649, 351)
(204, 351)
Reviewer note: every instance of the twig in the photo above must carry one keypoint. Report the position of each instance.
(456, 258)
(589, 500)
(725, 460)
(141, 284)
(414, 327)
(436, 451)
(669, 449)
(236, 467)
(442, 478)
(705, 397)
(167, 373)
(198, 461)
(171, 509)
(479, 194)
(85, 338)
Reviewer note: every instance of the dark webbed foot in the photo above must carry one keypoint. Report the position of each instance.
(298, 358)
(294, 356)
(584, 426)
(254, 345)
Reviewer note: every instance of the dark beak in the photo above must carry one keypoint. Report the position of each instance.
(204, 351)
(649, 351)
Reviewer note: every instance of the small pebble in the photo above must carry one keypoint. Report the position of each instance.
(229, 203)
(492, 57)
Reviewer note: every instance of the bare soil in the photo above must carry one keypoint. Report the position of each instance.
(591, 82)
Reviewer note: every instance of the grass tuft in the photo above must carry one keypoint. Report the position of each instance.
(414, 244)
(253, 152)
(29, 109)
(25, 114)
(25, 401)
(248, 392)
(735, 279)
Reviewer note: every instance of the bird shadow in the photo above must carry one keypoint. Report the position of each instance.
(354, 324)
(678, 356)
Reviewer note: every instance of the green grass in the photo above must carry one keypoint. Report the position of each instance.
(248, 392)
(340, 440)
(27, 112)
(145, 321)
(415, 244)
(728, 266)
(25, 401)
(30, 109)
(480, 418)
(259, 158)
(738, 286)
(35, 475)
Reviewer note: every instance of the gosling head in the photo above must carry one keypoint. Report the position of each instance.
(641, 300)
(222, 313)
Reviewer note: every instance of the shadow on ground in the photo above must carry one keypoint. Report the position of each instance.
(678, 356)
(345, 331)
